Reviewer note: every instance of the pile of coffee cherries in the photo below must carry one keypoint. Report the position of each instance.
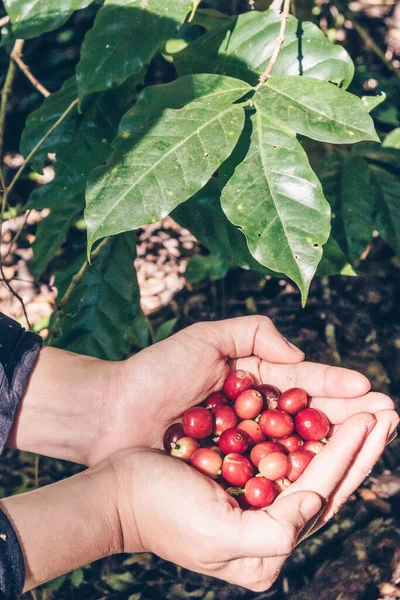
(252, 439)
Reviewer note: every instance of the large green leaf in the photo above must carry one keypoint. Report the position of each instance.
(148, 177)
(125, 36)
(277, 201)
(316, 109)
(65, 194)
(31, 18)
(99, 318)
(204, 217)
(388, 206)
(42, 119)
(242, 47)
(334, 261)
(392, 140)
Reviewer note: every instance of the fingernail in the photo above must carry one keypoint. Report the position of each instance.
(370, 425)
(310, 506)
(392, 431)
(293, 347)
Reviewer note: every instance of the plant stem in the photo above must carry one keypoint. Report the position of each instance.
(40, 142)
(195, 6)
(280, 39)
(6, 91)
(75, 281)
(16, 56)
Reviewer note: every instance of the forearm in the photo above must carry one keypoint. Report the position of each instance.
(65, 406)
(65, 525)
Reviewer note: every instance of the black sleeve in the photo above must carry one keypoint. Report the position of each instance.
(18, 354)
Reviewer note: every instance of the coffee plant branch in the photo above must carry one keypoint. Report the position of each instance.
(16, 55)
(75, 281)
(195, 7)
(279, 41)
(5, 95)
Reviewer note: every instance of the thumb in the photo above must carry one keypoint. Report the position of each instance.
(274, 531)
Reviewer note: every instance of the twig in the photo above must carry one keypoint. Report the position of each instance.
(5, 96)
(16, 56)
(370, 42)
(280, 39)
(40, 142)
(17, 235)
(75, 281)
(195, 7)
(4, 21)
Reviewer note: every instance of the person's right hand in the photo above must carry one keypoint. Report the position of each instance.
(168, 508)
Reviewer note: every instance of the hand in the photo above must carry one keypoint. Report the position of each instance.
(168, 508)
(156, 386)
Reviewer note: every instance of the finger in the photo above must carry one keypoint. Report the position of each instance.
(244, 336)
(370, 453)
(273, 531)
(317, 379)
(330, 465)
(339, 409)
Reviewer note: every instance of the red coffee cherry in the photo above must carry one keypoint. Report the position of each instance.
(207, 461)
(215, 399)
(249, 404)
(224, 418)
(274, 466)
(172, 434)
(293, 401)
(197, 422)
(314, 446)
(184, 448)
(236, 469)
(312, 424)
(237, 382)
(233, 440)
(262, 449)
(298, 462)
(253, 430)
(276, 424)
(292, 443)
(270, 394)
(260, 492)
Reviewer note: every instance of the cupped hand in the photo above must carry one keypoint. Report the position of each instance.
(168, 508)
(152, 389)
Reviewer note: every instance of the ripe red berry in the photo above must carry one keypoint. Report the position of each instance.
(274, 466)
(197, 422)
(184, 448)
(276, 424)
(215, 399)
(260, 492)
(314, 446)
(237, 382)
(172, 435)
(262, 449)
(312, 424)
(224, 418)
(236, 469)
(292, 443)
(293, 401)
(207, 461)
(270, 394)
(253, 430)
(249, 404)
(233, 440)
(298, 462)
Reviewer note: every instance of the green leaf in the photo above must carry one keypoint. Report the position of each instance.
(371, 102)
(165, 330)
(42, 119)
(242, 47)
(98, 320)
(147, 178)
(203, 216)
(388, 206)
(316, 109)
(77, 578)
(65, 194)
(31, 18)
(125, 36)
(392, 140)
(334, 261)
(277, 201)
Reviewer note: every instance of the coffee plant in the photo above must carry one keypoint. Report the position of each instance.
(220, 141)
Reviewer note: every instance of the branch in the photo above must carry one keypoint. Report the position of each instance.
(284, 19)
(370, 42)
(75, 281)
(16, 56)
(6, 91)
(194, 8)
(40, 142)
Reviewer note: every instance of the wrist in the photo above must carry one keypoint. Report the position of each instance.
(63, 413)
(75, 521)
